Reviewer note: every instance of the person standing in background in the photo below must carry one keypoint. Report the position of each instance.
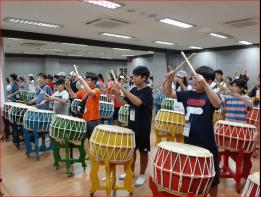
(31, 82)
(14, 93)
(40, 95)
(49, 81)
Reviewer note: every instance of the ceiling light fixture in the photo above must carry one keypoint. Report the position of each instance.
(218, 35)
(176, 23)
(52, 50)
(75, 55)
(105, 4)
(30, 22)
(127, 55)
(116, 35)
(15, 39)
(120, 49)
(72, 44)
(193, 47)
(163, 42)
(105, 57)
(245, 42)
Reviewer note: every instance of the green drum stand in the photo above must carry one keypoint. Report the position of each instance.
(68, 133)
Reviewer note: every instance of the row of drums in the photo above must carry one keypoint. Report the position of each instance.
(177, 168)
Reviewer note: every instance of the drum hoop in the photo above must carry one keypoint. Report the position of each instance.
(76, 100)
(65, 117)
(171, 146)
(109, 103)
(255, 178)
(223, 122)
(41, 111)
(171, 111)
(114, 129)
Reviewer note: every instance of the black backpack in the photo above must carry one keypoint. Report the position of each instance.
(81, 107)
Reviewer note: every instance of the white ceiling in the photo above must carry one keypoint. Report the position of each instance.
(208, 16)
(26, 46)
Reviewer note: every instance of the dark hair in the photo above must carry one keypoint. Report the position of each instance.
(7, 80)
(185, 82)
(100, 77)
(13, 76)
(141, 71)
(230, 79)
(241, 84)
(22, 79)
(60, 82)
(206, 72)
(244, 77)
(92, 76)
(219, 72)
(42, 75)
(31, 78)
(56, 76)
(50, 77)
(111, 76)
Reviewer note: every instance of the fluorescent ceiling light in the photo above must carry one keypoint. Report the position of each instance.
(52, 50)
(15, 39)
(150, 52)
(176, 23)
(76, 55)
(105, 57)
(120, 49)
(218, 35)
(162, 42)
(245, 42)
(91, 52)
(193, 47)
(72, 44)
(116, 35)
(127, 55)
(30, 22)
(105, 4)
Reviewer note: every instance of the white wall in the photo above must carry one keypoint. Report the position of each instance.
(229, 61)
(24, 66)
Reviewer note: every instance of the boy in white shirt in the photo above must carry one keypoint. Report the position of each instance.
(60, 98)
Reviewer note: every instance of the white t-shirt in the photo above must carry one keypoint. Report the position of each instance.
(60, 108)
(216, 88)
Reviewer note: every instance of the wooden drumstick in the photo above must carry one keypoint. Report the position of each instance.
(181, 64)
(190, 66)
(75, 68)
(44, 92)
(115, 79)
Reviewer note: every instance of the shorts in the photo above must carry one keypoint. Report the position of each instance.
(116, 113)
(90, 127)
(142, 142)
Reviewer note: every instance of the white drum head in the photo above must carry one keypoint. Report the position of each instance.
(115, 129)
(235, 124)
(185, 149)
(69, 118)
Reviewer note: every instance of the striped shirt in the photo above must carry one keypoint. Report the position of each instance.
(236, 109)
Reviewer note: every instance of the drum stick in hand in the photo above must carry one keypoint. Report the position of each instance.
(76, 71)
(115, 79)
(44, 92)
(190, 66)
(182, 63)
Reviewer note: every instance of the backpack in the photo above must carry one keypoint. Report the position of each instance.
(81, 107)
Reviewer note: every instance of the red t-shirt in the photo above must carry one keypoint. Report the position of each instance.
(51, 85)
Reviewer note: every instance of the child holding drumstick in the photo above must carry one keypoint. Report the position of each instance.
(199, 105)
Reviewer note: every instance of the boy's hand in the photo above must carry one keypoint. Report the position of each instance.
(50, 98)
(200, 79)
(170, 76)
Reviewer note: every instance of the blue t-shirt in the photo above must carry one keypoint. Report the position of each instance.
(14, 88)
(40, 96)
(200, 112)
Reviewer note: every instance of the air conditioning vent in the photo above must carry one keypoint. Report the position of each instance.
(31, 44)
(243, 23)
(107, 22)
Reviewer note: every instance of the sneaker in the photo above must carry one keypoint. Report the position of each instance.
(122, 176)
(140, 181)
